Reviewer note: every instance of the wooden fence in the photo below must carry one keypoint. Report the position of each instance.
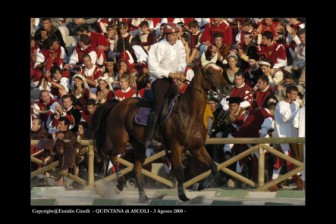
(260, 147)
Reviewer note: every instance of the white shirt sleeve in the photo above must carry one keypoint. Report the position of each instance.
(62, 52)
(74, 58)
(155, 56)
(276, 78)
(140, 54)
(296, 120)
(190, 74)
(245, 104)
(65, 82)
(266, 125)
(286, 113)
(93, 56)
(39, 59)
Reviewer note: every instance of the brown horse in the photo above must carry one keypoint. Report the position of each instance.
(184, 129)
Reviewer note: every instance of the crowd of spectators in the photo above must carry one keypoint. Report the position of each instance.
(78, 64)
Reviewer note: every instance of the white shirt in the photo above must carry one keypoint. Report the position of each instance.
(74, 57)
(164, 58)
(140, 54)
(299, 122)
(41, 59)
(283, 118)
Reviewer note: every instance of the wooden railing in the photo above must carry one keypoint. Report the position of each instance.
(260, 147)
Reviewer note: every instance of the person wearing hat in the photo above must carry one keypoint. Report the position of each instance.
(166, 61)
(275, 75)
(237, 113)
(236, 117)
(257, 124)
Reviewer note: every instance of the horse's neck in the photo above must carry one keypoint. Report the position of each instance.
(195, 97)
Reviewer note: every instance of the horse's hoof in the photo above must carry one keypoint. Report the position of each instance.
(183, 198)
(120, 187)
(143, 198)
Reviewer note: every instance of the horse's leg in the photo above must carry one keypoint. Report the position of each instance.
(120, 177)
(139, 160)
(177, 163)
(116, 150)
(118, 140)
(203, 156)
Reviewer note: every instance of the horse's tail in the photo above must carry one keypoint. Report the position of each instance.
(98, 125)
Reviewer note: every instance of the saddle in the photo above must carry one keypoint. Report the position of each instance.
(145, 105)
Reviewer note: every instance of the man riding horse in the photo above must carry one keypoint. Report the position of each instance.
(166, 61)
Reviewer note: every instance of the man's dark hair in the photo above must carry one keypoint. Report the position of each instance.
(54, 69)
(193, 24)
(287, 75)
(85, 39)
(246, 22)
(268, 35)
(50, 41)
(218, 35)
(292, 88)
(67, 96)
(301, 31)
(264, 78)
(271, 106)
(82, 28)
(66, 121)
(144, 23)
(91, 102)
(186, 36)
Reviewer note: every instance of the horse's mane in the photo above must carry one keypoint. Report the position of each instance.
(98, 124)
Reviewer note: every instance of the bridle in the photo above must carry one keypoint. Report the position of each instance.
(207, 92)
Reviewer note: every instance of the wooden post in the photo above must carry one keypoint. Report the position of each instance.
(147, 173)
(114, 176)
(196, 179)
(261, 166)
(221, 166)
(73, 177)
(239, 177)
(35, 160)
(282, 155)
(44, 169)
(157, 178)
(237, 157)
(91, 166)
(280, 179)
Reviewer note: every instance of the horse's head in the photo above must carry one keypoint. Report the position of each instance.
(214, 80)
